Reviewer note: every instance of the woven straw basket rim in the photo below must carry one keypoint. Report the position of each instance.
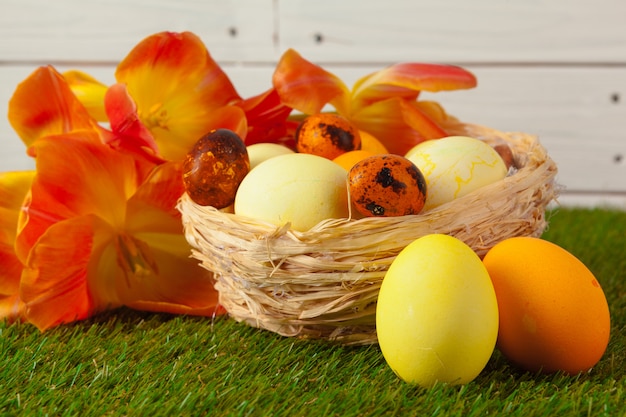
(323, 283)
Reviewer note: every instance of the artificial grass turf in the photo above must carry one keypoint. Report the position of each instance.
(133, 363)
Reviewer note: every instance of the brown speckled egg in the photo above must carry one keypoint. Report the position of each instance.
(214, 168)
(327, 135)
(386, 185)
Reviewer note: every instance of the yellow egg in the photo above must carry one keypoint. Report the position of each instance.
(297, 188)
(437, 314)
(455, 166)
(260, 152)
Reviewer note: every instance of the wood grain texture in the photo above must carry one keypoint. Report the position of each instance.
(456, 31)
(104, 31)
(553, 68)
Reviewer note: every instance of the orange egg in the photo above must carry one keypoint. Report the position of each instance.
(386, 185)
(371, 143)
(349, 159)
(327, 135)
(553, 313)
(214, 168)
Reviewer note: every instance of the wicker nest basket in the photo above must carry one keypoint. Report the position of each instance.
(324, 283)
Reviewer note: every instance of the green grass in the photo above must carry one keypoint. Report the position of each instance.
(132, 363)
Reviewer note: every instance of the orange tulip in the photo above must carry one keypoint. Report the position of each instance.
(383, 104)
(179, 90)
(98, 228)
(101, 231)
(169, 93)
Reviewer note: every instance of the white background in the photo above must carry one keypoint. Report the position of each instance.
(554, 68)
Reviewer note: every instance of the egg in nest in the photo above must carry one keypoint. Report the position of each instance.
(386, 185)
(455, 166)
(327, 135)
(295, 188)
(214, 168)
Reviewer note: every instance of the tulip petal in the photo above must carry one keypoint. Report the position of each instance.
(170, 62)
(178, 284)
(406, 80)
(54, 283)
(420, 121)
(181, 285)
(266, 116)
(173, 147)
(13, 188)
(153, 206)
(307, 87)
(11, 308)
(93, 179)
(177, 86)
(128, 132)
(89, 91)
(399, 124)
(434, 111)
(43, 104)
(153, 269)
(208, 309)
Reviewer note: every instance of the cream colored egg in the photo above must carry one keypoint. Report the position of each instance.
(260, 152)
(437, 313)
(301, 189)
(455, 166)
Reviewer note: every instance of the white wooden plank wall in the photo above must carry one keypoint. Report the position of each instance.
(555, 68)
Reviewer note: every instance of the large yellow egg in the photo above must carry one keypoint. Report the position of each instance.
(455, 166)
(437, 314)
(297, 188)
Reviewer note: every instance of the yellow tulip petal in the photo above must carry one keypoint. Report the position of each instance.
(14, 187)
(89, 91)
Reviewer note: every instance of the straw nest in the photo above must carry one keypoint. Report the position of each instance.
(324, 283)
